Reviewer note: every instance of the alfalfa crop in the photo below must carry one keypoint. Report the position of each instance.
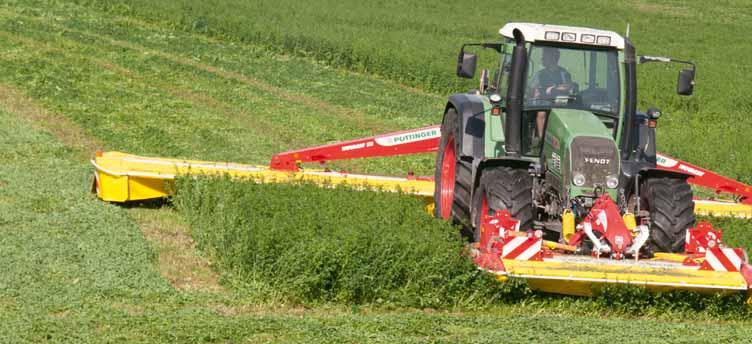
(313, 244)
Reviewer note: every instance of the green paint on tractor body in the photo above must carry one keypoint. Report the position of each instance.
(563, 125)
(562, 128)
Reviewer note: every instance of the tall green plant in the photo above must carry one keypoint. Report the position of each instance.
(333, 244)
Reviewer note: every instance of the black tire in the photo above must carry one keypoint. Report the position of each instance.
(672, 211)
(507, 188)
(460, 207)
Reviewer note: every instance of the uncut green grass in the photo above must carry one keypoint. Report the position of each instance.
(152, 121)
(80, 270)
(298, 240)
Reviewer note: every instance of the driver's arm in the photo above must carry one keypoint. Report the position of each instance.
(535, 85)
(566, 84)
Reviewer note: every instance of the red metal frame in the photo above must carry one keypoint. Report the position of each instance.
(706, 178)
(426, 140)
(702, 237)
(605, 218)
(414, 141)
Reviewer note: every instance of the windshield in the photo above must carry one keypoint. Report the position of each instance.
(586, 79)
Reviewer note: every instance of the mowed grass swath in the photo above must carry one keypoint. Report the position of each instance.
(81, 270)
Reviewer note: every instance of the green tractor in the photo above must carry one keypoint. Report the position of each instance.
(552, 129)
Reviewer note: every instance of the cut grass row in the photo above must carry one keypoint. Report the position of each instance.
(152, 102)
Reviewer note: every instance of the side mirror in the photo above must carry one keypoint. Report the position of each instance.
(466, 64)
(686, 83)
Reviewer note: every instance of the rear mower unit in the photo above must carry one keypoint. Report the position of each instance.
(548, 167)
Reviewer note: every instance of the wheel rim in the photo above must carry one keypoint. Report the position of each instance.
(448, 162)
(483, 212)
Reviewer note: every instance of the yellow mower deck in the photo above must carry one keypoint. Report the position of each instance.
(123, 177)
(580, 275)
(723, 209)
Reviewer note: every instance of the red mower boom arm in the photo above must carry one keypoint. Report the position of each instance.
(706, 178)
(426, 140)
(421, 140)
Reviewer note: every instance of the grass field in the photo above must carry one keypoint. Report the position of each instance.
(416, 43)
(74, 78)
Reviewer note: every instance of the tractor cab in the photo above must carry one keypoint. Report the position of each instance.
(560, 77)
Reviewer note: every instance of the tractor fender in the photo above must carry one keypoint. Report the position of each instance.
(659, 172)
(480, 164)
(472, 123)
(644, 170)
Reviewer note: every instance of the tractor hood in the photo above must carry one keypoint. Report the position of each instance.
(577, 142)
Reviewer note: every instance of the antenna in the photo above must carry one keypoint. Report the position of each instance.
(627, 35)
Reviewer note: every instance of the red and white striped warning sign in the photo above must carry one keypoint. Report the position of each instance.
(522, 248)
(723, 259)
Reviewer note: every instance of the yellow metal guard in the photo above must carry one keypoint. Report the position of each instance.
(124, 177)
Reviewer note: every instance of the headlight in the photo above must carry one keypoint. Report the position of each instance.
(578, 179)
(612, 182)
(585, 38)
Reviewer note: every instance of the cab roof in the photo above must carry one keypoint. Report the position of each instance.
(564, 34)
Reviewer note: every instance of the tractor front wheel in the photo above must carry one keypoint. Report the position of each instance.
(504, 188)
(453, 177)
(672, 211)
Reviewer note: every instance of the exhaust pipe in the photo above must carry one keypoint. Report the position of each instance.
(513, 129)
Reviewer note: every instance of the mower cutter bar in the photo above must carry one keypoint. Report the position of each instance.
(121, 177)
(583, 275)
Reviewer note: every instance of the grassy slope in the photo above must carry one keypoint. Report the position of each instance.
(79, 269)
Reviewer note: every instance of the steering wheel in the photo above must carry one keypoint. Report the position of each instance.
(562, 89)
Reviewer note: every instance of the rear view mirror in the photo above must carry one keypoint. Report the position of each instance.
(686, 83)
(466, 64)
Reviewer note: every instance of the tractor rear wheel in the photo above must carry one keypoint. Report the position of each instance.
(672, 211)
(504, 188)
(453, 177)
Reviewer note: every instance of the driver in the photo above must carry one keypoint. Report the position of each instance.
(549, 82)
